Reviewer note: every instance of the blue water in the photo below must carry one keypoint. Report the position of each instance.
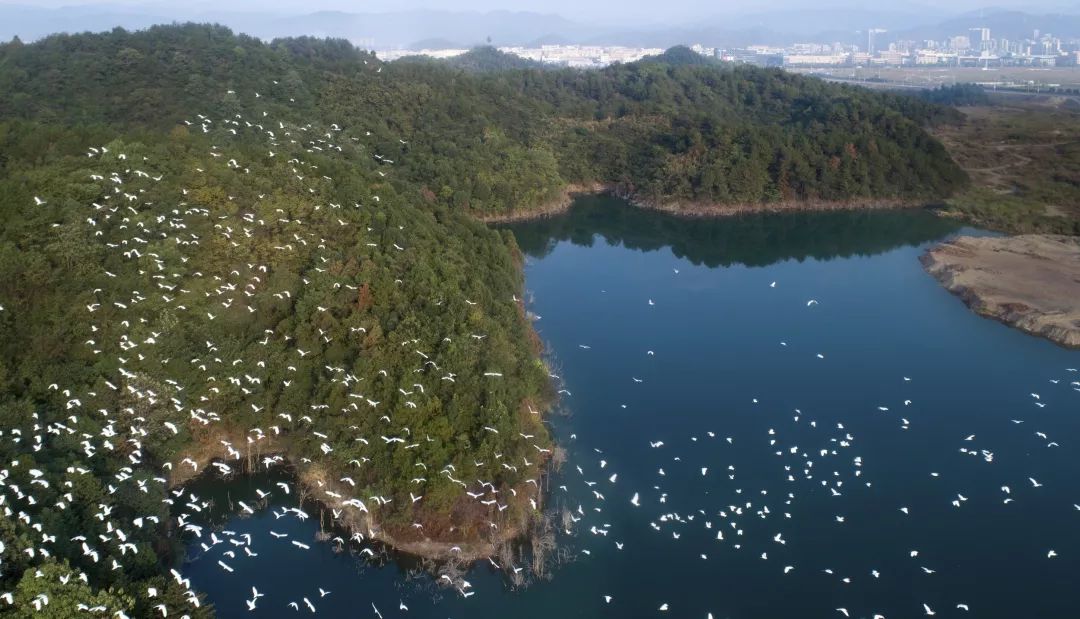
(738, 358)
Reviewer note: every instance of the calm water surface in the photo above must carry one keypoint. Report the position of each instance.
(762, 437)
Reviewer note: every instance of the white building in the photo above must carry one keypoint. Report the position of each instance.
(811, 60)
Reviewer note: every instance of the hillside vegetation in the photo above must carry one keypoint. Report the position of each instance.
(222, 254)
(1023, 157)
(664, 129)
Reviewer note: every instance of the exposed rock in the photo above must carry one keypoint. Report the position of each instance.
(1031, 282)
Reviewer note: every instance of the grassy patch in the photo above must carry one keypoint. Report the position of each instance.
(1024, 164)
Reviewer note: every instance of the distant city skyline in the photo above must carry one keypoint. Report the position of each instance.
(978, 48)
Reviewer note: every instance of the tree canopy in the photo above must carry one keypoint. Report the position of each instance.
(216, 251)
(487, 136)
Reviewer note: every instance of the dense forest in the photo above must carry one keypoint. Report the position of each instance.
(216, 251)
(670, 128)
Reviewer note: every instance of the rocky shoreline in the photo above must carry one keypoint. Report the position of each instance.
(317, 484)
(465, 543)
(1031, 282)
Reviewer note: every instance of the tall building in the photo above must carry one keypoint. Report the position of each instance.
(980, 39)
(960, 44)
(871, 39)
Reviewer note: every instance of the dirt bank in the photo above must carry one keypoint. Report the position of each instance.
(1031, 282)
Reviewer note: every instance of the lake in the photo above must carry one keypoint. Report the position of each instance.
(809, 421)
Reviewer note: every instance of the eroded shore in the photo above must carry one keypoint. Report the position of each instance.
(467, 542)
(1031, 282)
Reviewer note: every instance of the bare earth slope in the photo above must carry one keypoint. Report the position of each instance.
(1031, 282)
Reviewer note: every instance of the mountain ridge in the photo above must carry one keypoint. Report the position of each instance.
(406, 29)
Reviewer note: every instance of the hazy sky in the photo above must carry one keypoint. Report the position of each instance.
(610, 11)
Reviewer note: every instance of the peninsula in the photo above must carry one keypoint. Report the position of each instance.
(223, 254)
(1031, 282)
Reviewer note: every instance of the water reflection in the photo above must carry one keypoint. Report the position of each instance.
(753, 239)
(800, 393)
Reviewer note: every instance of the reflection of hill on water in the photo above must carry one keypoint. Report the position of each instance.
(753, 240)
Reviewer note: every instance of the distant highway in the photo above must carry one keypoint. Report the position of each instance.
(879, 85)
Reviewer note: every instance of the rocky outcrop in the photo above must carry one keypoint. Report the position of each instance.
(1031, 282)
(463, 535)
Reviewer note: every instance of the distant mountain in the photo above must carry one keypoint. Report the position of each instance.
(551, 39)
(705, 35)
(850, 27)
(813, 22)
(435, 43)
(32, 23)
(428, 29)
(372, 30)
(1002, 24)
(404, 29)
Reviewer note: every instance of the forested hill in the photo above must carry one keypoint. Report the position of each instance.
(231, 282)
(488, 58)
(221, 254)
(663, 129)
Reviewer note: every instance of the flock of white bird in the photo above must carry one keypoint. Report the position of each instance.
(831, 469)
(131, 217)
(123, 209)
(731, 516)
